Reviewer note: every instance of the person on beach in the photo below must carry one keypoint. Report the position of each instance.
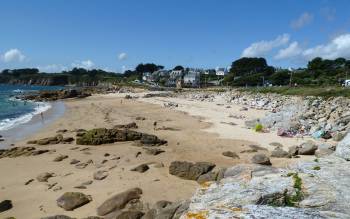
(42, 116)
(155, 125)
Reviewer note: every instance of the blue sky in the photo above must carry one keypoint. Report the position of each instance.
(116, 35)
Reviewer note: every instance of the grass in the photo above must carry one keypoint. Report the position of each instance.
(325, 92)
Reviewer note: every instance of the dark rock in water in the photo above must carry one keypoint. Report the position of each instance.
(131, 125)
(279, 153)
(188, 170)
(43, 177)
(106, 136)
(72, 200)
(56, 95)
(60, 158)
(58, 217)
(141, 168)
(118, 201)
(153, 151)
(307, 148)
(5, 205)
(100, 175)
(230, 154)
(261, 159)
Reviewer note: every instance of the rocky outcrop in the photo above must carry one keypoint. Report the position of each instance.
(21, 151)
(313, 189)
(58, 139)
(106, 136)
(343, 148)
(55, 95)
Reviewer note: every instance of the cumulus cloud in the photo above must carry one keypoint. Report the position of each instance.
(338, 47)
(87, 64)
(291, 51)
(13, 55)
(263, 47)
(303, 20)
(122, 56)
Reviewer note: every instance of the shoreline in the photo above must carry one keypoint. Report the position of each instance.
(186, 133)
(24, 130)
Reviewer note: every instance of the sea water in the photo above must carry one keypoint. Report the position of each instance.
(14, 112)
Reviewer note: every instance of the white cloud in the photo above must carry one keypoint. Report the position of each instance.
(338, 47)
(261, 48)
(291, 51)
(52, 68)
(87, 64)
(303, 20)
(122, 56)
(13, 55)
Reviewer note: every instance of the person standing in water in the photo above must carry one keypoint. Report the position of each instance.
(42, 116)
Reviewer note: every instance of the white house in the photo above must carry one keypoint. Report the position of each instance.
(146, 76)
(192, 78)
(221, 71)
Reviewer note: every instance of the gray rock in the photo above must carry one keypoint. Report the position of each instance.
(190, 171)
(276, 144)
(261, 159)
(130, 215)
(43, 177)
(141, 168)
(153, 151)
(100, 175)
(72, 200)
(118, 201)
(74, 161)
(279, 152)
(230, 154)
(293, 150)
(60, 158)
(307, 148)
(343, 148)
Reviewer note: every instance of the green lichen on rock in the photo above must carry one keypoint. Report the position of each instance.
(107, 136)
(316, 168)
(293, 200)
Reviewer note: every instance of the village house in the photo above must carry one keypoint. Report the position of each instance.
(221, 71)
(192, 79)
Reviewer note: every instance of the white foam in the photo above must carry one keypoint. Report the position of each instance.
(6, 124)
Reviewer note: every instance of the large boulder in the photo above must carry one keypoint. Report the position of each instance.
(72, 200)
(307, 148)
(188, 170)
(310, 189)
(261, 159)
(343, 148)
(118, 201)
(280, 153)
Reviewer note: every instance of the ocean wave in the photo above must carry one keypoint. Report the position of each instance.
(6, 124)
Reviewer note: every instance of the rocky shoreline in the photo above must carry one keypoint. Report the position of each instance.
(254, 188)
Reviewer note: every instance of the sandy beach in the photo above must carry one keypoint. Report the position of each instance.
(195, 131)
